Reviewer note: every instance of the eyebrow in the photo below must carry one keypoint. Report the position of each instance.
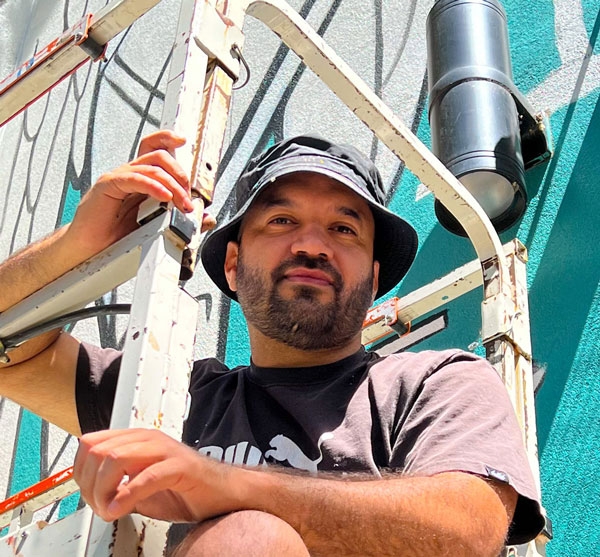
(274, 200)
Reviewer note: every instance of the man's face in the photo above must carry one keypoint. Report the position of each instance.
(303, 269)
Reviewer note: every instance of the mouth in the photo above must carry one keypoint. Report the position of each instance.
(312, 277)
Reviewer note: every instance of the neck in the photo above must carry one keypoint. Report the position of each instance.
(267, 352)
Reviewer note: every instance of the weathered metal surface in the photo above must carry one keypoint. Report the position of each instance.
(157, 357)
(66, 538)
(64, 55)
(432, 296)
(85, 283)
(38, 496)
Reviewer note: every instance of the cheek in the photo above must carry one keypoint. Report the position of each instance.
(358, 272)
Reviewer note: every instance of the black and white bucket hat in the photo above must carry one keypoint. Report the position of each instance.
(396, 242)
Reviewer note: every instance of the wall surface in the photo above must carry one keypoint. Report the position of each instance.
(92, 122)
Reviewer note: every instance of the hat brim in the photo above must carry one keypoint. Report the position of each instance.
(395, 244)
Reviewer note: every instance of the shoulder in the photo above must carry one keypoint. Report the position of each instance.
(414, 368)
(437, 380)
(208, 370)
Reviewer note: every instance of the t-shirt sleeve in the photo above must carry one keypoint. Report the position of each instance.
(95, 386)
(460, 418)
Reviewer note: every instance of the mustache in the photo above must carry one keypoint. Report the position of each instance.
(308, 262)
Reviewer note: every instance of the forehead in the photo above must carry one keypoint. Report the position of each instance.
(302, 188)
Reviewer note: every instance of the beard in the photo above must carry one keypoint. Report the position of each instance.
(302, 322)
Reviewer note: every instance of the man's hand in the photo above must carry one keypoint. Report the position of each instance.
(108, 211)
(146, 471)
(447, 514)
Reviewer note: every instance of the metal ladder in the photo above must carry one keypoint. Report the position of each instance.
(208, 44)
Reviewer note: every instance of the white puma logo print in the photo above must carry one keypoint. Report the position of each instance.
(285, 449)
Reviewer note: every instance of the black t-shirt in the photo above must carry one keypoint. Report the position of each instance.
(414, 413)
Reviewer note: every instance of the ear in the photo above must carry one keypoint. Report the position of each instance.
(231, 264)
(375, 279)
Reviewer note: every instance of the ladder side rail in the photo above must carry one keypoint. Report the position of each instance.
(36, 497)
(510, 353)
(84, 284)
(156, 358)
(160, 337)
(66, 537)
(62, 56)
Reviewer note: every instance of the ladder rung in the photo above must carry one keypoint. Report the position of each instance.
(38, 496)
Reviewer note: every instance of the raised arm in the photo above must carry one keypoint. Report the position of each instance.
(41, 373)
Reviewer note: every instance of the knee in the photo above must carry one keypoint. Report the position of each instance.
(243, 533)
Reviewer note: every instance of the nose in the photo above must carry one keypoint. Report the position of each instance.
(312, 240)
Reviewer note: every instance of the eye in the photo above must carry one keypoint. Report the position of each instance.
(344, 229)
(280, 220)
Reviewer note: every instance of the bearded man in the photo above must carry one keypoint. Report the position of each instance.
(412, 454)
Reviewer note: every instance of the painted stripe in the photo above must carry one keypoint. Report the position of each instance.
(26, 462)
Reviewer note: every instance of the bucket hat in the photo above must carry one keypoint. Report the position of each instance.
(395, 244)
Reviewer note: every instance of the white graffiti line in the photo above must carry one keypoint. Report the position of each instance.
(9, 421)
(571, 35)
(579, 74)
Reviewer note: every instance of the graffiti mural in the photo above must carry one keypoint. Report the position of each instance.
(93, 121)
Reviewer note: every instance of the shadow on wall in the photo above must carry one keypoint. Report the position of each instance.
(567, 279)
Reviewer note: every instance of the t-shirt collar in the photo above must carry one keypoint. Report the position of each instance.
(302, 375)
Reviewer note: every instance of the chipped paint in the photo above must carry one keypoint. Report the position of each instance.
(153, 341)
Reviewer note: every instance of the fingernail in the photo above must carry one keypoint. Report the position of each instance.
(113, 509)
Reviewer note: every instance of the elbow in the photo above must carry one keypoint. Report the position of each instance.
(486, 546)
(30, 349)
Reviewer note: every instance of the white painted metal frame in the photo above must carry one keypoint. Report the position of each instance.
(153, 383)
(63, 56)
(505, 329)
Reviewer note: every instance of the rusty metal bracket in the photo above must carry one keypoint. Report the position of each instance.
(65, 54)
(82, 38)
(382, 320)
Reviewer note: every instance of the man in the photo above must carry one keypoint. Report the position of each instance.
(416, 454)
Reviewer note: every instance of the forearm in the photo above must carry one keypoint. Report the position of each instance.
(105, 214)
(448, 514)
(36, 265)
(29, 270)
(41, 373)
(453, 513)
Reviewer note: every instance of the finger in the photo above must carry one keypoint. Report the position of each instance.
(208, 222)
(167, 140)
(123, 462)
(179, 192)
(84, 471)
(165, 161)
(148, 180)
(104, 458)
(160, 476)
(99, 436)
(91, 447)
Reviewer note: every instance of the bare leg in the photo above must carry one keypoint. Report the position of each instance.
(243, 534)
